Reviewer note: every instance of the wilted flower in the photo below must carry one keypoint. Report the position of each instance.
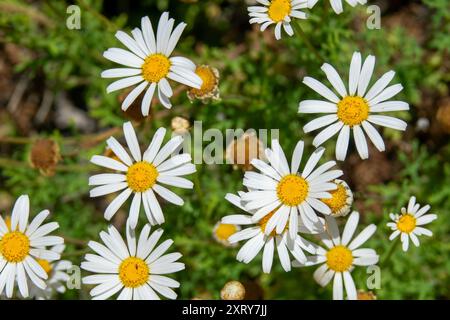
(241, 151)
(180, 125)
(44, 156)
(233, 290)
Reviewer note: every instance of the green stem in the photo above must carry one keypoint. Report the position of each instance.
(198, 188)
(391, 250)
(299, 31)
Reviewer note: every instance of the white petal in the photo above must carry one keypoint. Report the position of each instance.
(132, 141)
(355, 70)
(360, 141)
(321, 89)
(335, 79)
(342, 143)
(366, 74)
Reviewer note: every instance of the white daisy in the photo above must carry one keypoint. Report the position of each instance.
(287, 192)
(57, 276)
(134, 269)
(21, 245)
(341, 255)
(257, 238)
(142, 175)
(148, 63)
(222, 231)
(337, 4)
(355, 109)
(408, 223)
(279, 12)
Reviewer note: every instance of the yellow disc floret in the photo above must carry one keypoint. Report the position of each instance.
(209, 79)
(406, 223)
(292, 190)
(133, 272)
(263, 222)
(14, 246)
(224, 230)
(45, 265)
(339, 258)
(352, 110)
(155, 67)
(279, 9)
(141, 176)
(338, 200)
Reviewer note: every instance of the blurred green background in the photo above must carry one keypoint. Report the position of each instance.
(50, 87)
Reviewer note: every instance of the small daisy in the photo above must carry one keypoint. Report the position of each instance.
(408, 223)
(134, 269)
(21, 245)
(142, 175)
(148, 63)
(341, 199)
(222, 231)
(341, 255)
(355, 109)
(337, 4)
(57, 276)
(279, 12)
(286, 192)
(258, 239)
(210, 86)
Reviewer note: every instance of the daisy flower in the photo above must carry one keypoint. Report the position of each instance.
(142, 175)
(409, 223)
(134, 269)
(341, 199)
(57, 275)
(355, 109)
(149, 63)
(21, 245)
(341, 255)
(279, 12)
(210, 86)
(337, 4)
(258, 239)
(287, 192)
(222, 231)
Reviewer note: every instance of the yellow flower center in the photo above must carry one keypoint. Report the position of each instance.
(14, 246)
(224, 231)
(209, 80)
(338, 199)
(141, 176)
(45, 265)
(279, 9)
(133, 272)
(292, 190)
(155, 67)
(406, 223)
(265, 219)
(339, 258)
(352, 110)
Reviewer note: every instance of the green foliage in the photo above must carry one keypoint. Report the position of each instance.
(260, 88)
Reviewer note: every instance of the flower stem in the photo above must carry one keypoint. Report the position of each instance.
(308, 43)
(389, 253)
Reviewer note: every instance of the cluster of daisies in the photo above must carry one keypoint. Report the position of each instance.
(286, 205)
(287, 208)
